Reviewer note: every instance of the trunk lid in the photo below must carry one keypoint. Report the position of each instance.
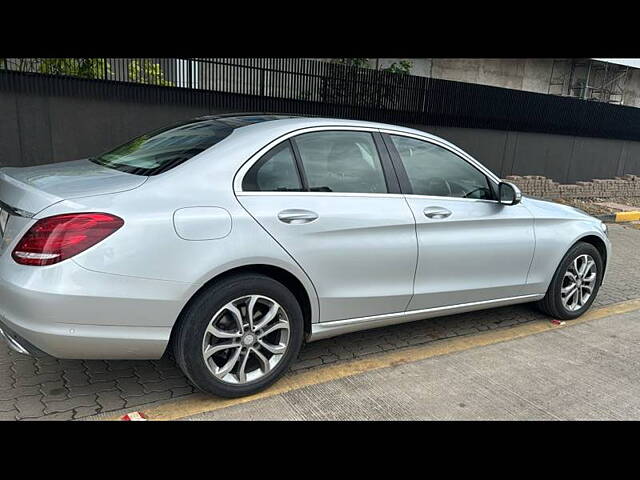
(28, 190)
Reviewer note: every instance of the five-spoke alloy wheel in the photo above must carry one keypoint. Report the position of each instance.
(239, 335)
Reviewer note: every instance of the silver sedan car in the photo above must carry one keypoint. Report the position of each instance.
(232, 239)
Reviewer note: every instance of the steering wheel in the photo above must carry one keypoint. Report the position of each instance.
(466, 195)
(438, 186)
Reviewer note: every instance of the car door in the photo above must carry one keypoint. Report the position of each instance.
(471, 247)
(331, 199)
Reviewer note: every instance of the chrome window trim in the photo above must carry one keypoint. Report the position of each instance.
(447, 146)
(353, 194)
(239, 176)
(241, 172)
(459, 199)
(320, 194)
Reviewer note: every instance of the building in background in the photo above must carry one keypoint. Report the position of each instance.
(606, 80)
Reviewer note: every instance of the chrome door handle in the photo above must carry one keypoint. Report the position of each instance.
(296, 216)
(436, 212)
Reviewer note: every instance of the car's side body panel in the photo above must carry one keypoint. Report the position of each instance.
(360, 252)
(557, 228)
(482, 251)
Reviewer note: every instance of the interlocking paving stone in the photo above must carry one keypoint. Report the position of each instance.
(165, 385)
(181, 391)
(93, 388)
(56, 406)
(109, 401)
(130, 387)
(68, 415)
(82, 412)
(10, 415)
(30, 406)
(75, 378)
(76, 388)
(7, 405)
(152, 397)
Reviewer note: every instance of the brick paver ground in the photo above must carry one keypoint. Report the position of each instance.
(50, 389)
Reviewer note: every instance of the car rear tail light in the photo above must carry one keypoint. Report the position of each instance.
(54, 239)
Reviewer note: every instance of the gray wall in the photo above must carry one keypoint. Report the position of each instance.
(38, 129)
(563, 158)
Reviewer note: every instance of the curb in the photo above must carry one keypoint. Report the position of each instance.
(620, 217)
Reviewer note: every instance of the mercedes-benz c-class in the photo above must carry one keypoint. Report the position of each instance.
(231, 240)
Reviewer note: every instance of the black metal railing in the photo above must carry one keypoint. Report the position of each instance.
(322, 88)
(295, 79)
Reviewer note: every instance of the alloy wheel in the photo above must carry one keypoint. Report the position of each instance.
(578, 282)
(246, 339)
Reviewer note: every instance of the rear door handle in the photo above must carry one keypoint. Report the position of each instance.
(436, 212)
(295, 216)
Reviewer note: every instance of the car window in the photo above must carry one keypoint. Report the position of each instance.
(341, 161)
(159, 151)
(436, 171)
(275, 172)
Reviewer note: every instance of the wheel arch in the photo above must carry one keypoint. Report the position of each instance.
(283, 276)
(599, 244)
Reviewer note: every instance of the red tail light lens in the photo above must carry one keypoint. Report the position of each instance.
(54, 239)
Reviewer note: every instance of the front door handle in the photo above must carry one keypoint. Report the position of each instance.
(436, 212)
(295, 216)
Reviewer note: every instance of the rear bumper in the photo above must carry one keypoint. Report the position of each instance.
(17, 343)
(69, 312)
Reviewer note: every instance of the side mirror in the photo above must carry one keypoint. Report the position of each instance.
(509, 194)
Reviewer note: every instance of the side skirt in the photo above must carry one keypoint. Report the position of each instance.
(324, 330)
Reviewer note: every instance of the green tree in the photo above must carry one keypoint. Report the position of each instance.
(76, 67)
(352, 62)
(140, 71)
(402, 67)
(148, 72)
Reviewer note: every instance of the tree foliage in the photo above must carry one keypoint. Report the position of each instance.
(76, 67)
(139, 71)
(149, 72)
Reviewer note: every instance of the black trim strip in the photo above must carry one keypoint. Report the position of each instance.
(403, 178)
(301, 171)
(390, 174)
(16, 211)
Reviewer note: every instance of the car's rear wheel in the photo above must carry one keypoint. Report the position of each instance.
(575, 283)
(238, 336)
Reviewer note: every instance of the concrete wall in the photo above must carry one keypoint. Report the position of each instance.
(37, 129)
(563, 158)
(528, 74)
(631, 96)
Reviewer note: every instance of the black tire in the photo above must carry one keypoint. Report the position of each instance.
(193, 323)
(551, 304)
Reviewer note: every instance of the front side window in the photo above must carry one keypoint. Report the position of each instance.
(436, 171)
(341, 161)
(275, 172)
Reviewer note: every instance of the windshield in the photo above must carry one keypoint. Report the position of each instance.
(161, 150)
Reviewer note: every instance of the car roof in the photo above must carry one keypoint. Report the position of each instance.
(268, 121)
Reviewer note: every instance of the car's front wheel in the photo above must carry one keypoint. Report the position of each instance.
(575, 283)
(237, 337)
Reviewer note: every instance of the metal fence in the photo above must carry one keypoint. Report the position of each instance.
(329, 89)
